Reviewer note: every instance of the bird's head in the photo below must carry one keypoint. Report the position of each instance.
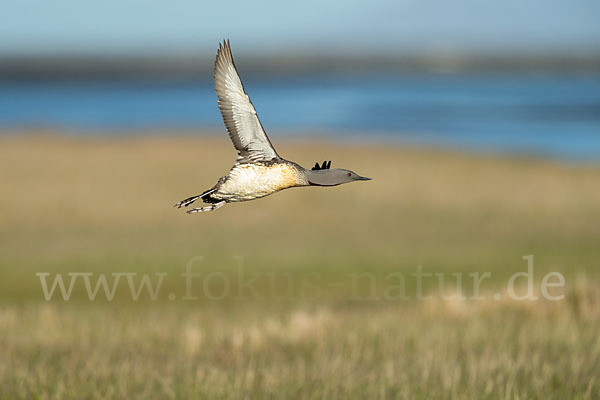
(323, 176)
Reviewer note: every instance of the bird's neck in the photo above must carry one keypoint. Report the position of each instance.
(320, 178)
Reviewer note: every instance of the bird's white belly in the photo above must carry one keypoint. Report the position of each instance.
(251, 181)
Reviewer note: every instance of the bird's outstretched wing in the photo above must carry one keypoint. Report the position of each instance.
(239, 115)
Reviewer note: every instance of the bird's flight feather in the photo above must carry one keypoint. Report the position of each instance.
(239, 115)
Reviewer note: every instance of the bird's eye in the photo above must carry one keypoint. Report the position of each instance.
(349, 174)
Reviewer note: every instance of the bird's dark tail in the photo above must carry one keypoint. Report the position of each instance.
(204, 196)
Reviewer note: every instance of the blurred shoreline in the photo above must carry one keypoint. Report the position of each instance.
(304, 141)
(552, 115)
(540, 104)
(185, 66)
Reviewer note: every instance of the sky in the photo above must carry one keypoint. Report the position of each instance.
(142, 26)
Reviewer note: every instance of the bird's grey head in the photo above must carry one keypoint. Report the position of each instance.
(333, 177)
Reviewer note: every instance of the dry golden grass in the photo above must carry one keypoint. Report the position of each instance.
(62, 351)
(103, 205)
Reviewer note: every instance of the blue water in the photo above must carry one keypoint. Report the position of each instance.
(553, 115)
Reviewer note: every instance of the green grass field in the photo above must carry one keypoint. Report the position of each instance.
(323, 302)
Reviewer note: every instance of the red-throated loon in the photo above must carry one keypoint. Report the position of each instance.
(258, 171)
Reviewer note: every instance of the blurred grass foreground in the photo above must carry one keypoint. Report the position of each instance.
(314, 315)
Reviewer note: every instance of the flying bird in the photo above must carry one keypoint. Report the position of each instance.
(258, 171)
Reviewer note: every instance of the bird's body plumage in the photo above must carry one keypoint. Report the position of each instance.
(259, 171)
(249, 181)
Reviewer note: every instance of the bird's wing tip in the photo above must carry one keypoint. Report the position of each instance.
(224, 49)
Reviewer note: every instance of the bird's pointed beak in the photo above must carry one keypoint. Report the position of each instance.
(363, 178)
